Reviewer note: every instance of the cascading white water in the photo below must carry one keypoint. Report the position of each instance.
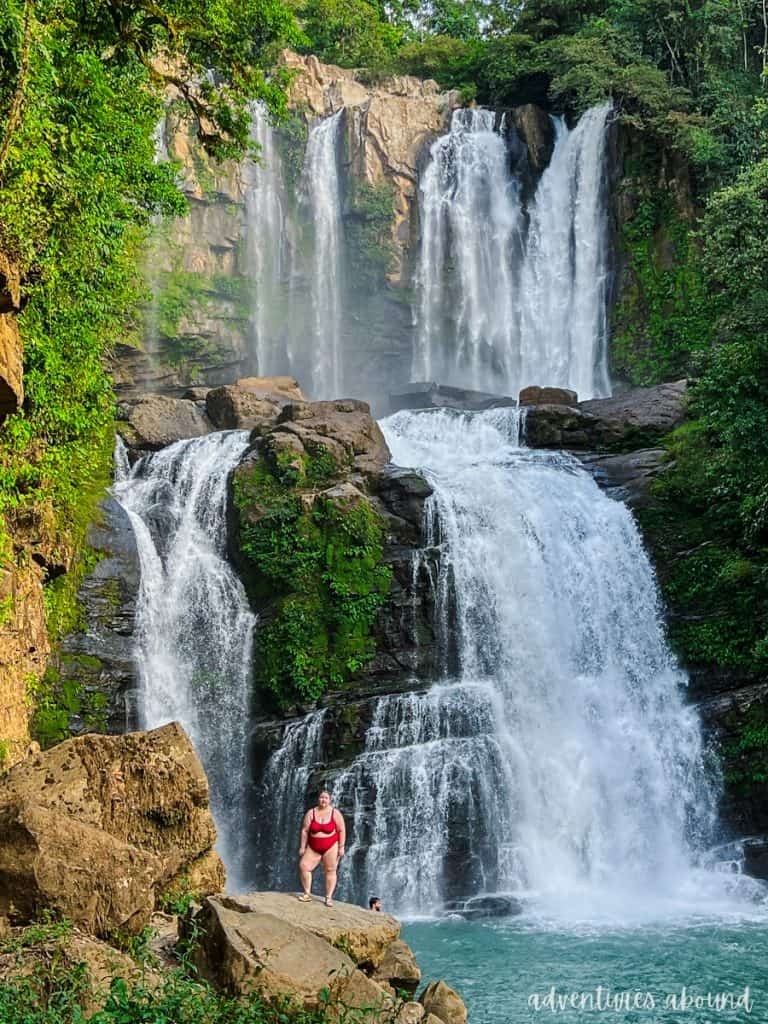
(560, 759)
(268, 247)
(564, 276)
(322, 192)
(194, 627)
(510, 297)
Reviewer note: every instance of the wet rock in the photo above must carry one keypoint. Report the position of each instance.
(97, 661)
(627, 477)
(152, 422)
(547, 396)
(755, 850)
(490, 906)
(535, 128)
(98, 826)
(631, 420)
(403, 492)
(442, 1001)
(442, 396)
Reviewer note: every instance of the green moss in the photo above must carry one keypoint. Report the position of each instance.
(746, 754)
(292, 140)
(368, 226)
(319, 564)
(62, 694)
(664, 313)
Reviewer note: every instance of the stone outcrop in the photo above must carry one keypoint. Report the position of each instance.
(443, 396)
(24, 650)
(250, 944)
(344, 431)
(388, 128)
(152, 422)
(632, 420)
(97, 660)
(444, 1003)
(97, 827)
(547, 396)
(627, 477)
(271, 943)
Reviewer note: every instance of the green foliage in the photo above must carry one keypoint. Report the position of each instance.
(664, 315)
(352, 33)
(746, 752)
(319, 563)
(56, 700)
(179, 897)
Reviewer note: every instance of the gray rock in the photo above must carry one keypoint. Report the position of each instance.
(153, 421)
(426, 395)
(635, 419)
(627, 477)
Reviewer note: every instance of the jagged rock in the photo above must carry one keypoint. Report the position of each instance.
(195, 394)
(153, 421)
(399, 968)
(442, 396)
(403, 492)
(235, 408)
(96, 963)
(283, 388)
(260, 942)
(634, 419)
(346, 422)
(410, 1013)
(756, 856)
(488, 906)
(442, 1001)
(11, 386)
(547, 396)
(627, 477)
(98, 826)
(535, 128)
(98, 660)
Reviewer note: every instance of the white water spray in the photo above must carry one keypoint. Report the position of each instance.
(322, 191)
(194, 627)
(509, 297)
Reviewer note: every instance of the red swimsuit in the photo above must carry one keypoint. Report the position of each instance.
(322, 835)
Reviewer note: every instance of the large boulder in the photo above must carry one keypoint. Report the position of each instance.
(635, 419)
(429, 395)
(442, 1001)
(342, 429)
(251, 403)
(153, 421)
(398, 968)
(264, 943)
(99, 826)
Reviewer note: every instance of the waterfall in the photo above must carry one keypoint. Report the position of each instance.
(510, 296)
(268, 247)
(322, 192)
(194, 627)
(559, 760)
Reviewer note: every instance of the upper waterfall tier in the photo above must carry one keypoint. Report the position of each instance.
(509, 294)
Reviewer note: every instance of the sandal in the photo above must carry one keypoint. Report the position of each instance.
(304, 898)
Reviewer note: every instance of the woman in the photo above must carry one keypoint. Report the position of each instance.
(322, 838)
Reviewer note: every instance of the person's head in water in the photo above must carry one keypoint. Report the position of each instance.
(374, 903)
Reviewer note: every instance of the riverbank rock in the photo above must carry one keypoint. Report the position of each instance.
(631, 420)
(97, 827)
(398, 968)
(151, 422)
(11, 386)
(262, 942)
(442, 1001)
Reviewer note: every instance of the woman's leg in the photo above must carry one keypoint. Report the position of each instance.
(307, 865)
(330, 864)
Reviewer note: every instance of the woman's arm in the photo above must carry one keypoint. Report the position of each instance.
(303, 834)
(341, 826)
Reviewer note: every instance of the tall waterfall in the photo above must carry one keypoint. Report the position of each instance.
(559, 759)
(322, 191)
(511, 296)
(268, 247)
(193, 622)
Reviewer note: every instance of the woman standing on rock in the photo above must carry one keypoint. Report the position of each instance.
(322, 838)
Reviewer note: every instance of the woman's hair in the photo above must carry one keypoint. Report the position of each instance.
(325, 790)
